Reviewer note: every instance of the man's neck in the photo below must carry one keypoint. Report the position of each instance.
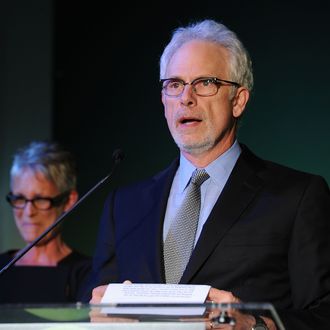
(203, 159)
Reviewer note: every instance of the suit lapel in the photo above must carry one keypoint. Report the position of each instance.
(158, 195)
(240, 189)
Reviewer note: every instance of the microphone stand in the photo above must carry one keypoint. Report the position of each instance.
(117, 157)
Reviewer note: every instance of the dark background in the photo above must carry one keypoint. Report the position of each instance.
(106, 91)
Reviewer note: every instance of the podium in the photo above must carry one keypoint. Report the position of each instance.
(131, 316)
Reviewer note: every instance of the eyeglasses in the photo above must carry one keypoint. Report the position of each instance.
(206, 86)
(40, 203)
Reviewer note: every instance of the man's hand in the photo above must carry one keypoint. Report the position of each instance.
(221, 296)
(95, 313)
(243, 321)
(99, 291)
(98, 294)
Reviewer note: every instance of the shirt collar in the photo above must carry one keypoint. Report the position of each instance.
(217, 170)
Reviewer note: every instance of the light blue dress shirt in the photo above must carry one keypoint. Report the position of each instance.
(219, 171)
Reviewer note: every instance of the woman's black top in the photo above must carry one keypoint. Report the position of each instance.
(44, 284)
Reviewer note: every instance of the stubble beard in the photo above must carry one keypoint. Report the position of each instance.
(194, 148)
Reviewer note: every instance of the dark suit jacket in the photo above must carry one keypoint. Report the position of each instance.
(266, 240)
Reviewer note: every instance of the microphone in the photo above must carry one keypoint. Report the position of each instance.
(117, 157)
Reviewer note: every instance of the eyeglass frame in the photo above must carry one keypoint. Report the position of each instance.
(54, 201)
(217, 81)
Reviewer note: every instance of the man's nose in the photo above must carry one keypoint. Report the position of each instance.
(188, 95)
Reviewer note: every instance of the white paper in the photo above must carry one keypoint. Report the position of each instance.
(155, 294)
(155, 311)
(136, 295)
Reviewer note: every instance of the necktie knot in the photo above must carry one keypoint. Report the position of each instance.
(199, 176)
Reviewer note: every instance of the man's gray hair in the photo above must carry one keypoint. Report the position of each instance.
(240, 65)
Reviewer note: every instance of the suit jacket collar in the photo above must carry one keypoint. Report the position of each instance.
(162, 183)
(240, 189)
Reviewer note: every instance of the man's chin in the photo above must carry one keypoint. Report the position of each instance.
(194, 148)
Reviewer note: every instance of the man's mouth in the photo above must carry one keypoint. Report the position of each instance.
(189, 120)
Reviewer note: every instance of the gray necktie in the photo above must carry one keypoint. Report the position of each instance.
(180, 239)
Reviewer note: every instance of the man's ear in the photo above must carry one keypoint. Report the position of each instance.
(73, 197)
(162, 97)
(239, 101)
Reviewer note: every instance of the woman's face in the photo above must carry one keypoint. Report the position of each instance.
(30, 221)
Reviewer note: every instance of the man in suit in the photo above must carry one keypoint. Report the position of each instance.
(262, 232)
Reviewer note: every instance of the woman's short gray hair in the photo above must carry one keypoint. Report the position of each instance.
(240, 65)
(50, 159)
